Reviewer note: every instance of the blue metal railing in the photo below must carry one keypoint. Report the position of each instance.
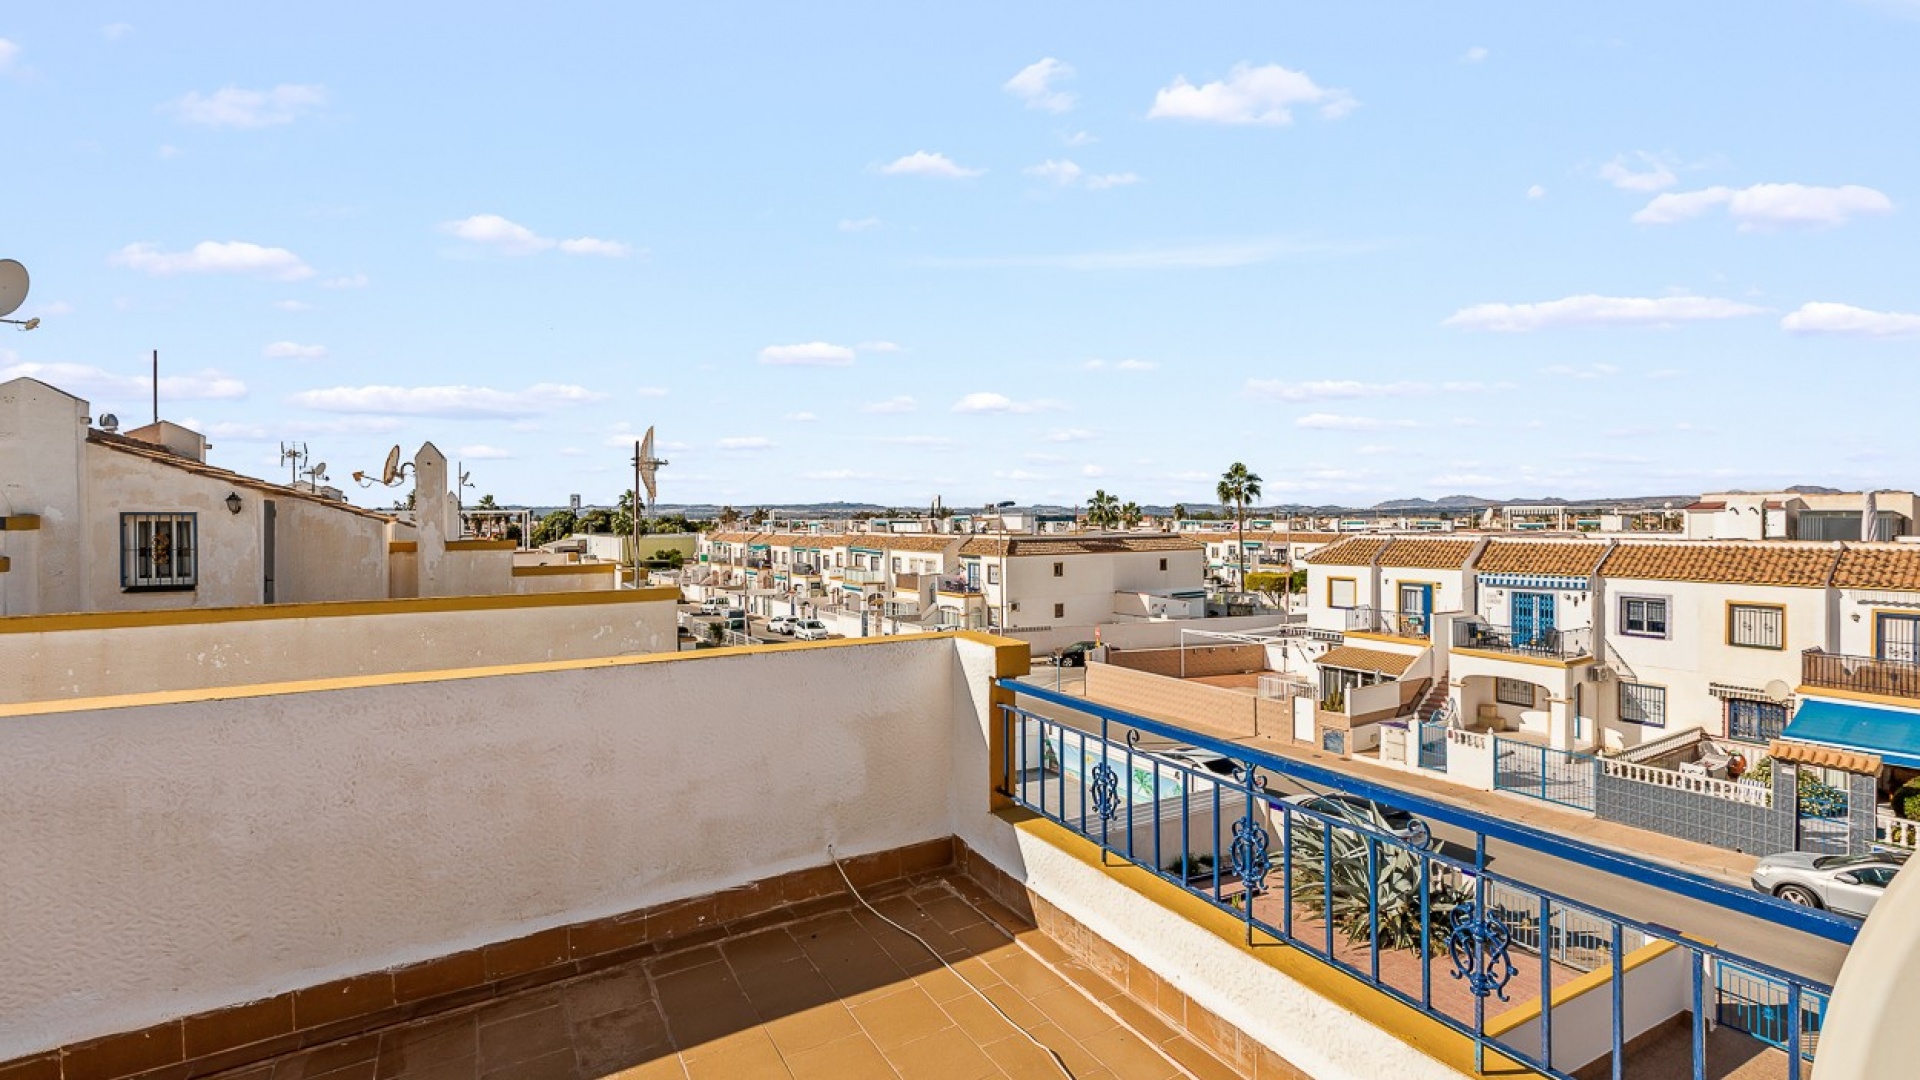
(1444, 935)
(1762, 1006)
(1542, 772)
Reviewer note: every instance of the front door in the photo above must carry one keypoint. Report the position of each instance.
(1416, 605)
(1897, 638)
(1532, 617)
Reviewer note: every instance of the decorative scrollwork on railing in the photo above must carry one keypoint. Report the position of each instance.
(1248, 775)
(1478, 944)
(1133, 736)
(1251, 862)
(1106, 791)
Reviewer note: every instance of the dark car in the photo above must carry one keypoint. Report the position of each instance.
(1074, 655)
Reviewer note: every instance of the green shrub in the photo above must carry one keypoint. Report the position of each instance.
(1906, 800)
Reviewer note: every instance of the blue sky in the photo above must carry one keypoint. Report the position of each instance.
(869, 251)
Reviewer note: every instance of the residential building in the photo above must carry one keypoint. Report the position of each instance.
(1269, 551)
(1083, 579)
(1799, 515)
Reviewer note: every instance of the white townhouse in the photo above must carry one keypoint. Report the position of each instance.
(1024, 582)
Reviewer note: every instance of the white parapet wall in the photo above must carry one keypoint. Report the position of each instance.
(172, 856)
(55, 657)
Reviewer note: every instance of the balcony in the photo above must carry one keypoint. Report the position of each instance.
(864, 577)
(1417, 625)
(1550, 643)
(958, 586)
(1860, 674)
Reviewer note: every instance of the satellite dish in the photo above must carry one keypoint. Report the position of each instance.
(1778, 690)
(318, 472)
(648, 466)
(109, 423)
(391, 471)
(13, 286)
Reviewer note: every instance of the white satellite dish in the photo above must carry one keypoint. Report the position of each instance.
(318, 472)
(648, 467)
(109, 423)
(13, 286)
(390, 472)
(1778, 690)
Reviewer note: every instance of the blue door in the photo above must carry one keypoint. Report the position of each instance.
(1416, 607)
(1532, 617)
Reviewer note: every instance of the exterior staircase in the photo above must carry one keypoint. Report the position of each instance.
(1435, 699)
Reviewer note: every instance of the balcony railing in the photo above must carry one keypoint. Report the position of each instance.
(959, 586)
(1490, 956)
(1550, 643)
(1407, 624)
(1864, 674)
(864, 577)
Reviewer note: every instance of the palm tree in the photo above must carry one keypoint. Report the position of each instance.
(1238, 487)
(1130, 515)
(1179, 512)
(1103, 510)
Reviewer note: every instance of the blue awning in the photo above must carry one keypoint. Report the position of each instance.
(1894, 734)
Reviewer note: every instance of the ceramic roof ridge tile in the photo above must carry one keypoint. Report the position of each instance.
(1893, 567)
(1353, 551)
(162, 456)
(1427, 553)
(1562, 558)
(1068, 544)
(1806, 564)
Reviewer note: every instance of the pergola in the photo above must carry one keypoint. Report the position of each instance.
(1262, 635)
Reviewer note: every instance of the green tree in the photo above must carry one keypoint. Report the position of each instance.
(557, 525)
(486, 503)
(1103, 510)
(1130, 514)
(1179, 511)
(1270, 585)
(1237, 488)
(597, 520)
(728, 516)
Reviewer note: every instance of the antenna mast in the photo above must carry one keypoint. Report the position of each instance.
(295, 455)
(156, 386)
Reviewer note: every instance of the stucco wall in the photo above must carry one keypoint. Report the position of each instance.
(94, 658)
(323, 554)
(1193, 662)
(166, 859)
(581, 577)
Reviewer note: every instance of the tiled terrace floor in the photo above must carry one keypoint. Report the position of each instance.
(839, 996)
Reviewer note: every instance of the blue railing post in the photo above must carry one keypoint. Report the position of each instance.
(1619, 1008)
(1546, 981)
(1426, 932)
(1795, 1020)
(1373, 905)
(1699, 1013)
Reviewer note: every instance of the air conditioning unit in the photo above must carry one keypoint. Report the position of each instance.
(1599, 673)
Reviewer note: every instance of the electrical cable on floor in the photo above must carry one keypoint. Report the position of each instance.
(935, 953)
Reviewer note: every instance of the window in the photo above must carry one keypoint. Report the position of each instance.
(993, 574)
(1755, 721)
(1756, 626)
(1640, 704)
(1513, 692)
(157, 551)
(1163, 566)
(1059, 569)
(1643, 616)
(1340, 592)
(1059, 611)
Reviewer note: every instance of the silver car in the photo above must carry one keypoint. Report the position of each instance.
(1847, 884)
(1369, 814)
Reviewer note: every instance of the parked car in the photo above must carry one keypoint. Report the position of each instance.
(713, 605)
(1196, 758)
(811, 630)
(1074, 655)
(1846, 884)
(1368, 814)
(734, 619)
(782, 624)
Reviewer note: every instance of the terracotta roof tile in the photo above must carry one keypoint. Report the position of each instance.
(1570, 559)
(1879, 566)
(1824, 756)
(161, 456)
(1354, 658)
(1427, 554)
(1353, 551)
(1017, 546)
(1750, 563)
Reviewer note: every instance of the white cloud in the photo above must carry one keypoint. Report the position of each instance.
(859, 224)
(88, 381)
(483, 452)
(1071, 435)
(1587, 373)
(233, 107)
(925, 442)
(512, 238)
(116, 31)
(588, 245)
(8, 53)
(1589, 310)
(1093, 470)
(214, 257)
(1375, 449)
(1080, 138)
(1474, 55)
(808, 354)
(1120, 365)
(446, 400)
(1767, 206)
(1334, 422)
(288, 350)
(1062, 173)
(1103, 181)
(985, 402)
(1034, 84)
(1249, 95)
(921, 163)
(1639, 172)
(1821, 317)
(1536, 192)
(292, 305)
(890, 407)
(345, 281)
(651, 391)
(745, 443)
(880, 347)
(802, 417)
(571, 451)
(1329, 389)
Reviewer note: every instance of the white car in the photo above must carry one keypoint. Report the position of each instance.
(1845, 884)
(782, 624)
(811, 630)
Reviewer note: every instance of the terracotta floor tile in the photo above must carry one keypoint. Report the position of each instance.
(360, 1071)
(1025, 974)
(439, 1041)
(1202, 1065)
(1144, 1022)
(619, 1040)
(666, 1068)
(528, 1035)
(317, 1062)
(703, 1004)
(1016, 1006)
(851, 1058)
(944, 985)
(1128, 1055)
(1021, 1060)
(526, 1001)
(456, 1069)
(558, 1065)
(810, 1028)
(948, 1054)
(613, 990)
(901, 1018)
(791, 987)
(752, 1054)
(980, 937)
(1090, 981)
(684, 959)
(764, 949)
(1074, 1012)
(978, 1019)
(978, 972)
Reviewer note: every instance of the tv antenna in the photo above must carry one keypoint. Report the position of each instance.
(646, 468)
(390, 473)
(293, 456)
(316, 476)
(13, 293)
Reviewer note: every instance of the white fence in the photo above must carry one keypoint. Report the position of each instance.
(1897, 832)
(1752, 794)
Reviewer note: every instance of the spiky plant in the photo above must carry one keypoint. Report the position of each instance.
(1395, 891)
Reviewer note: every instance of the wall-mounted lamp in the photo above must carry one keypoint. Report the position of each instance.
(233, 502)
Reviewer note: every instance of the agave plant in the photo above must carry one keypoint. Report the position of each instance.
(1395, 891)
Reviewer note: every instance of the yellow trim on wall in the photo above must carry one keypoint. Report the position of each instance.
(1392, 639)
(117, 620)
(19, 522)
(483, 545)
(1584, 984)
(397, 546)
(1781, 608)
(565, 568)
(1355, 582)
(6, 564)
(1878, 614)
(1538, 661)
(1891, 700)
